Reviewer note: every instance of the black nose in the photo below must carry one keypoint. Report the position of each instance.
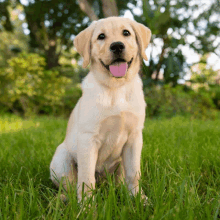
(117, 47)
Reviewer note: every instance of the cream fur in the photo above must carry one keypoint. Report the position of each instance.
(105, 127)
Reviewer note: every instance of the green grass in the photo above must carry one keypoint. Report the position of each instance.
(180, 173)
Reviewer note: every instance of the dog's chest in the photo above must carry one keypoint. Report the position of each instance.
(112, 115)
(113, 134)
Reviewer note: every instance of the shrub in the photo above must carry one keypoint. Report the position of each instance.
(27, 86)
(167, 102)
(69, 100)
(215, 94)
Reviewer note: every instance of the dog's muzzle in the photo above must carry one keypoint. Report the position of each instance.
(118, 67)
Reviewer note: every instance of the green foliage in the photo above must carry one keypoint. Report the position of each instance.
(168, 102)
(171, 24)
(27, 86)
(12, 43)
(215, 94)
(173, 66)
(5, 21)
(203, 74)
(69, 100)
(71, 97)
(52, 26)
(69, 66)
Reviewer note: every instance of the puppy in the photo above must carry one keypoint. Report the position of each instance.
(104, 131)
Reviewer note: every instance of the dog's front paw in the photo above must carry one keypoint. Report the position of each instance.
(85, 196)
(144, 199)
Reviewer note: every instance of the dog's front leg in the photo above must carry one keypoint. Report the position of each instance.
(131, 159)
(87, 154)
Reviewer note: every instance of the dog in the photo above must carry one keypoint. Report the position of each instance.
(104, 132)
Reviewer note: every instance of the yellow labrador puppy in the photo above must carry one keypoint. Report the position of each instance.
(105, 128)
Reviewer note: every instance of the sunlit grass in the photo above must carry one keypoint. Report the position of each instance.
(13, 124)
(180, 173)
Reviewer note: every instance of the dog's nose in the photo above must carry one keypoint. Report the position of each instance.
(117, 47)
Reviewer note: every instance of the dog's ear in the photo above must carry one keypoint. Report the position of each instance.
(143, 35)
(82, 42)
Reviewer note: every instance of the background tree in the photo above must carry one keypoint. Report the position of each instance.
(50, 28)
(172, 23)
(202, 73)
(5, 21)
(53, 25)
(13, 42)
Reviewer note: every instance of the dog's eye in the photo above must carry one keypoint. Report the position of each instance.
(126, 33)
(101, 37)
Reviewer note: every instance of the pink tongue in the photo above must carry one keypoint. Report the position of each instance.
(118, 70)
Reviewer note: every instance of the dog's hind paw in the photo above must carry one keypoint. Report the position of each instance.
(63, 198)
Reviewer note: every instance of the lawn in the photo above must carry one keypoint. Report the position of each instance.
(180, 173)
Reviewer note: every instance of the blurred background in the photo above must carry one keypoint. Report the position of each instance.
(40, 70)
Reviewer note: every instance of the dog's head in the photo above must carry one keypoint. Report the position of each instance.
(114, 46)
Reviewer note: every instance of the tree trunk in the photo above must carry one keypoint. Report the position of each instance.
(109, 8)
(51, 56)
(160, 60)
(86, 8)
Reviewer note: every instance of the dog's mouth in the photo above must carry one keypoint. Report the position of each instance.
(118, 67)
